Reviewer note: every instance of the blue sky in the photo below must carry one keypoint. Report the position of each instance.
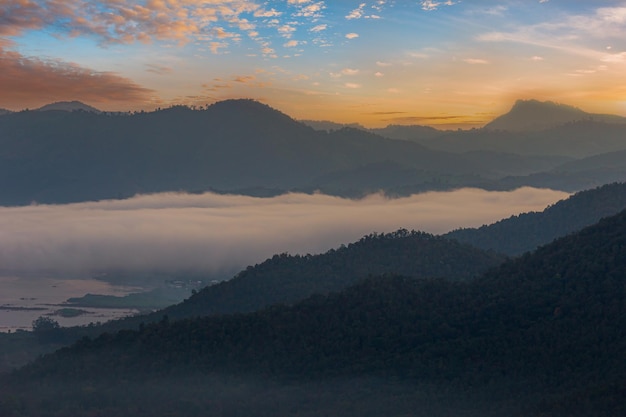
(445, 63)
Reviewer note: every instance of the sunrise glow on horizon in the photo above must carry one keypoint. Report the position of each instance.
(442, 63)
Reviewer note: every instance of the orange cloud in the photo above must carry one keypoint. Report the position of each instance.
(30, 82)
(123, 22)
(244, 78)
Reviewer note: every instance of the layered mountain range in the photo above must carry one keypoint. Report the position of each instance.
(393, 324)
(72, 152)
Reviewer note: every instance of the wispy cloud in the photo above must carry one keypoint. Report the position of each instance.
(158, 69)
(475, 61)
(311, 11)
(422, 119)
(244, 78)
(319, 28)
(356, 13)
(212, 232)
(571, 34)
(350, 71)
(386, 113)
(430, 5)
(291, 44)
(181, 21)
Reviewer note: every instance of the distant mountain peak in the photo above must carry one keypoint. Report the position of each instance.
(69, 106)
(241, 104)
(533, 115)
(250, 108)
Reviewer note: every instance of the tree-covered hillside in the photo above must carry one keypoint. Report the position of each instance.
(527, 231)
(291, 278)
(547, 329)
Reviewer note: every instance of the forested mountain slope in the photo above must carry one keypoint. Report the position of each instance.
(291, 278)
(525, 232)
(547, 328)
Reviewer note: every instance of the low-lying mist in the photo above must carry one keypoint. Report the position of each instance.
(211, 232)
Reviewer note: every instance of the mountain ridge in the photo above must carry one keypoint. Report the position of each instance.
(527, 231)
(69, 106)
(246, 145)
(533, 115)
(288, 279)
(235, 144)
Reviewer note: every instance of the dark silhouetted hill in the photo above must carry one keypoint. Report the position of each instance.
(527, 231)
(59, 156)
(245, 146)
(68, 106)
(288, 279)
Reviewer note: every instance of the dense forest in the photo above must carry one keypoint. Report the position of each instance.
(288, 278)
(543, 334)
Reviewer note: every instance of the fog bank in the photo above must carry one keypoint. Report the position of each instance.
(212, 232)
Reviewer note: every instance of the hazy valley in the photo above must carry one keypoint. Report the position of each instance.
(301, 268)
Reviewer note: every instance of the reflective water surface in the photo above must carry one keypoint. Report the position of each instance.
(23, 299)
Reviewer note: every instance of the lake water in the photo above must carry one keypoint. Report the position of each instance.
(24, 299)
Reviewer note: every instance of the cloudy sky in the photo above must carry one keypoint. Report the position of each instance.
(453, 63)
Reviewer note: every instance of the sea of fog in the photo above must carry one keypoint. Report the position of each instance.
(210, 232)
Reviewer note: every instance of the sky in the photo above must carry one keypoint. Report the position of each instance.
(225, 233)
(446, 63)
